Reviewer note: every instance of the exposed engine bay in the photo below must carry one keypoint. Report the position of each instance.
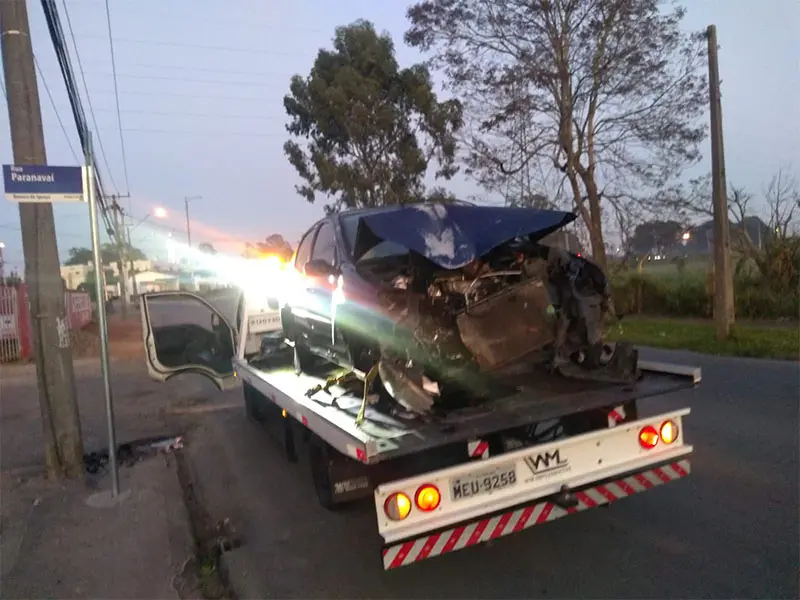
(523, 306)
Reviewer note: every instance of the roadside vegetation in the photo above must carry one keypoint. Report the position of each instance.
(758, 341)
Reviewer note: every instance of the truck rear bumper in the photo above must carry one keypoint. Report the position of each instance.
(486, 528)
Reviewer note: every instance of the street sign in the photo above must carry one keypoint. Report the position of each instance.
(43, 183)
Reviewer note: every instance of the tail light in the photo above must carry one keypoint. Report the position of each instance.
(397, 506)
(428, 497)
(669, 432)
(648, 437)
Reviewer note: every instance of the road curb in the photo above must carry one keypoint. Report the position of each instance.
(82, 366)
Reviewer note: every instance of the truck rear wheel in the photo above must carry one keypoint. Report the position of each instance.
(319, 454)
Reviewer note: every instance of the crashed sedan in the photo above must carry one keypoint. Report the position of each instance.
(437, 304)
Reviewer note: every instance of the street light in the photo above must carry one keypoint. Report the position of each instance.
(686, 235)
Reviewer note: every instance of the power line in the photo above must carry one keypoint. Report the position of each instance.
(195, 96)
(206, 70)
(116, 96)
(192, 80)
(59, 46)
(181, 113)
(88, 97)
(213, 133)
(53, 104)
(198, 46)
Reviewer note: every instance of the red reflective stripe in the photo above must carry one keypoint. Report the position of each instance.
(661, 475)
(402, 554)
(585, 499)
(523, 518)
(643, 480)
(548, 508)
(679, 469)
(625, 487)
(476, 535)
(605, 493)
(501, 525)
(480, 448)
(454, 537)
(429, 544)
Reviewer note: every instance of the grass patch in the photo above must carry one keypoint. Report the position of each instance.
(676, 334)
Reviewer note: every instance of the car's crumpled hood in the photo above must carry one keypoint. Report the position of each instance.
(453, 235)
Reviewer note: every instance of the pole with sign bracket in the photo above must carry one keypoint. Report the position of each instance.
(100, 291)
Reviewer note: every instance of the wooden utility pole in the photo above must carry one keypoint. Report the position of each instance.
(723, 271)
(54, 369)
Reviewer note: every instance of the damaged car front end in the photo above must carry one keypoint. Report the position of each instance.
(477, 296)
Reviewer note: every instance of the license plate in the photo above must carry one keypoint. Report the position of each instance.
(483, 483)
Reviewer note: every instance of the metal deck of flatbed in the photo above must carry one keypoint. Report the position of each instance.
(382, 437)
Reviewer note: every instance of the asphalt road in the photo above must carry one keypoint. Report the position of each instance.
(729, 530)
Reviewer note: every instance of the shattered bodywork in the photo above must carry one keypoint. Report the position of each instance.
(477, 294)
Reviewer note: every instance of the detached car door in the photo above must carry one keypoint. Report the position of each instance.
(186, 333)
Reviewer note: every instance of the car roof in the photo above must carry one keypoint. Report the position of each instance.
(360, 212)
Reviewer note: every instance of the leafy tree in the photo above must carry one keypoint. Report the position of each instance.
(89, 284)
(12, 278)
(371, 128)
(207, 248)
(609, 95)
(108, 254)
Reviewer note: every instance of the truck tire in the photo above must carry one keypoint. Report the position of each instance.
(320, 473)
(250, 404)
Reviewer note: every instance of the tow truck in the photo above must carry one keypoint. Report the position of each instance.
(554, 448)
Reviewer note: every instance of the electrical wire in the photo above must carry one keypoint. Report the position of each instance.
(180, 113)
(116, 97)
(88, 97)
(213, 133)
(59, 46)
(200, 46)
(195, 96)
(55, 110)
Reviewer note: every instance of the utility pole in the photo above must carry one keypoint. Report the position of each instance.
(122, 262)
(133, 267)
(723, 271)
(54, 369)
(188, 226)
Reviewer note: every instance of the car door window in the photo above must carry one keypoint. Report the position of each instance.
(304, 251)
(325, 245)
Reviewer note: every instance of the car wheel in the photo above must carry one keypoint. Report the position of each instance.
(303, 359)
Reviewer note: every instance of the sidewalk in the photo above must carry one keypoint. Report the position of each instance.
(71, 541)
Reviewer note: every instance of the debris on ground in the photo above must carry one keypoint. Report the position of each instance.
(130, 453)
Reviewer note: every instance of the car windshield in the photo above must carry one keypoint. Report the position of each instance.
(382, 250)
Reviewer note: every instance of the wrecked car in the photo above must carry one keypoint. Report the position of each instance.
(444, 301)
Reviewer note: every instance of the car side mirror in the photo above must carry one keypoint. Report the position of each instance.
(318, 268)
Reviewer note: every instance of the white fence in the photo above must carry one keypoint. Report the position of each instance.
(10, 333)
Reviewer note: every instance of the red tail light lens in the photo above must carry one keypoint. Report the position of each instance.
(428, 497)
(648, 437)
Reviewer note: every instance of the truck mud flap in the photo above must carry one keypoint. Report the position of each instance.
(542, 510)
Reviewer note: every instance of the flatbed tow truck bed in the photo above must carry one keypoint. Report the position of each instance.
(475, 475)
(381, 437)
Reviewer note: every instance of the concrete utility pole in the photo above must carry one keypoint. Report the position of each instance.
(57, 398)
(188, 226)
(723, 271)
(122, 262)
(133, 267)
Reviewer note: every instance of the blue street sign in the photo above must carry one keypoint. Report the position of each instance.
(43, 183)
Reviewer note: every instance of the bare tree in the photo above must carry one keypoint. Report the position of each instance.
(614, 91)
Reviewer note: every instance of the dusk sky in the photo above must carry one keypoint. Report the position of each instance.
(201, 85)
